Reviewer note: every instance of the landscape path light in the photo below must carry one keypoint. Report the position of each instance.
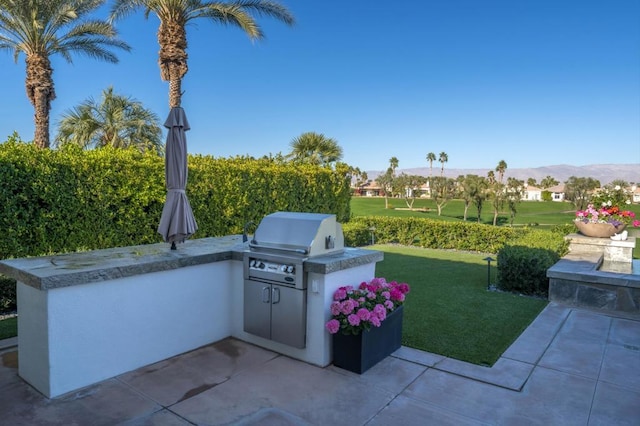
(489, 259)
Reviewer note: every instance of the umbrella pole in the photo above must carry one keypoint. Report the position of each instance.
(173, 245)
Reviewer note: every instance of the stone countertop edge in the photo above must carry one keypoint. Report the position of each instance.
(350, 258)
(69, 269)
(64, 270)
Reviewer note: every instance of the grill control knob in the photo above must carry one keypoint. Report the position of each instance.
(252, 263)
(261, 265)
(290, 269)
(283, 268)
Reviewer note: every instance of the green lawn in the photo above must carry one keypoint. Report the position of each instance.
(8, 328)
(543, 213)
(449, 310)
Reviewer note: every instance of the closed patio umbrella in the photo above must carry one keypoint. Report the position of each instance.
(177, 222)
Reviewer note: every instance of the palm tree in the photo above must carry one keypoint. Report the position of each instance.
(548, 182)
(393, 165)
(501, 168)
(443, 159)
(174, 15)
(116, 121)
(431, 157)
(315, 148)
(43, 28)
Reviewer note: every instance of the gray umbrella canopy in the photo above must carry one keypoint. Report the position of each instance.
(177, 222)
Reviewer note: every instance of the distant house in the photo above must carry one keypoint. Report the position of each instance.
(532, 193)
(369, 189)
(425, 190)
(635, 194)
(557, 192)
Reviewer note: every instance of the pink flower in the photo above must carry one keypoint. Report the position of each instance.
(358, 308)
(333, 326)
(636, 223)
(335, 308)
(340, 294)
(364, 314)
(377, 281)
(396, 294)
(354, 320)
(347, 306)
(380, 311)
(404, 288)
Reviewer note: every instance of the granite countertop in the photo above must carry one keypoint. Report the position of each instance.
(50, 272)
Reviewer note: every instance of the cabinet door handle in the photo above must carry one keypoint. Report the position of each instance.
(265, 295)
(276, 295)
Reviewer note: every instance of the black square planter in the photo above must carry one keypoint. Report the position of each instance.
(361, 352)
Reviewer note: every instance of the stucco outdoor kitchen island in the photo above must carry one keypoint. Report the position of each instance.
(86, 317)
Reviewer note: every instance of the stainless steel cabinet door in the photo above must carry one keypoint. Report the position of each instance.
(288, 316)
(257, 308)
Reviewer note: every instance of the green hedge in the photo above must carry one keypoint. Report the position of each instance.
(430, 233)
(225, 194)
(55, 201)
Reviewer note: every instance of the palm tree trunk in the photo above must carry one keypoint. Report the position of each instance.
(40, 90)
(175, 93)
(42, 107)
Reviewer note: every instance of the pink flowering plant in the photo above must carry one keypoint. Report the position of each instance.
(607, 214)
(605, 207)
(357, 309)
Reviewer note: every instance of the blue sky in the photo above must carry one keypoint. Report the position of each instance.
(534, 83)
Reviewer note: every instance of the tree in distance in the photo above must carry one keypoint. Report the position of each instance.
(116, 121)
(44, 28)
(315, 148)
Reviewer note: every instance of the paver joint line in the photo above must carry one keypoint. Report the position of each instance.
(604, 354)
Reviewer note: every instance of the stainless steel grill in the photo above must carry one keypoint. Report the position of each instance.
(274, 280)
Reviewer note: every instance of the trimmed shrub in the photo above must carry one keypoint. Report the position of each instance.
(523, 269)
(356, 234)
(523, 264)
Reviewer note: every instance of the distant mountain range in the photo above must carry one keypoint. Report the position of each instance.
(605, 173)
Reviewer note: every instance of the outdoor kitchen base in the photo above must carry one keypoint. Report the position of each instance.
(86, 317)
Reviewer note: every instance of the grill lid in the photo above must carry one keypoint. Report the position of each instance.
(309, 234)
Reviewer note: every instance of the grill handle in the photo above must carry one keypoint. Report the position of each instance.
(291, 250)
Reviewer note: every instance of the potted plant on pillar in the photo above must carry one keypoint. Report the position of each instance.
(604, 216)
(366, 323)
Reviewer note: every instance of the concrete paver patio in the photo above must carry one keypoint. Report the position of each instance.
(569, 367)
